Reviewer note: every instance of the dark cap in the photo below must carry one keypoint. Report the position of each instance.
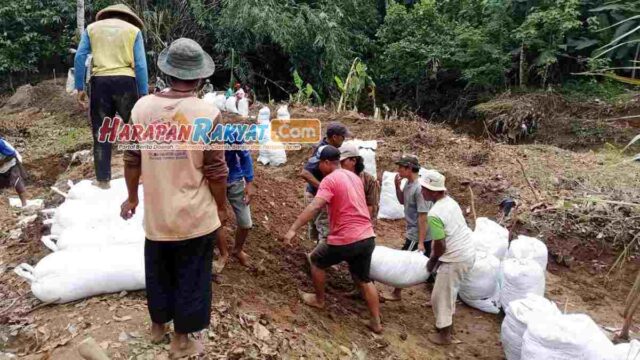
(337, 128)
(328, 152)
(409, 161)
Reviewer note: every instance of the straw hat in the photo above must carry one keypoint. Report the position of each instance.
(119, 9)
(184, 59)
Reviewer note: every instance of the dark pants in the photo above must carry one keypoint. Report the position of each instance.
(109, 95)
(178, 275)
(357, 255)
(413, 246)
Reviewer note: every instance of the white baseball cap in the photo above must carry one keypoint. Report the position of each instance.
(433, 180)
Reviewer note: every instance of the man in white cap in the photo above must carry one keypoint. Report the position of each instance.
(452, 253)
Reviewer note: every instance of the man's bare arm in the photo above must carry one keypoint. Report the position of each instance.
(309, 178)
(307, 214)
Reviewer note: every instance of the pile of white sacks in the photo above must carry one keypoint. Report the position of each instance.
(94, 250)
(229, 104)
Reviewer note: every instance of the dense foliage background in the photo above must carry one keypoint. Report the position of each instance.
(436, 56)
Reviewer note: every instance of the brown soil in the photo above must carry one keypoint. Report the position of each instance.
(267, 293)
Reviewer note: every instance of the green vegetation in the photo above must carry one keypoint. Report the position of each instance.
(432, 55)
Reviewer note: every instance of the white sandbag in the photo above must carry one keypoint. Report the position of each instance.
(490, 237)
(627, 351)
(220, 101)
(398, 268)
(520, 277)
(210, 98)
(70, 85)
(283, 113)
(565, 337)
(71, 275)
(517, 316)
(367, 149)
(96, 235)
(390, 207)
(230, 105)
(264, 115)
(481, 289)
(525, 247)
(272, 153)
(243, 107)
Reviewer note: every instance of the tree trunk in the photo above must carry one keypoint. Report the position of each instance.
(80, 16)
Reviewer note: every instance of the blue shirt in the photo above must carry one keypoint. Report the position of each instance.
(140, 60)
(240, 165)
(313, 167)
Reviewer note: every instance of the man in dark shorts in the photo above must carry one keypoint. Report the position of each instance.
(11, 171)
(351, 238)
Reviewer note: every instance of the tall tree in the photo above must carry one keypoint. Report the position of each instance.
(80, 16)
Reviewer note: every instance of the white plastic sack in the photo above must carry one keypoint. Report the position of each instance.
(113, 233)
(70, 86)
(271, 153)
(283, 113)
(490, 237)
(519, 278)
(525, 247)
(390, 207)
(71, 275)
(367, 149)
(517, 316)
(219, 101)
(230, 105)
(243, 107)
(565, 337)
(627, 351)
(264, 115)
(480, 289)
(398, 268)
(210, 98)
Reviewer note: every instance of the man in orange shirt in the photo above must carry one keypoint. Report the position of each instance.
(184, 202)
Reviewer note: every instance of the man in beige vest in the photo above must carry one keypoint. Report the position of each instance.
(184, 201)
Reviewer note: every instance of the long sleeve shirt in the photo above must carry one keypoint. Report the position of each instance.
(117, 48)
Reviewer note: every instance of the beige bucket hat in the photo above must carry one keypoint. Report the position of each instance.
(120, 9)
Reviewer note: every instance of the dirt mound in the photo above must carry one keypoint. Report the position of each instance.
(22, 99)
(550, 118)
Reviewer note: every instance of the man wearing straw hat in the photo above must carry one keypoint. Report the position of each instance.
(184, 201)
(452, 254)
(118, 75)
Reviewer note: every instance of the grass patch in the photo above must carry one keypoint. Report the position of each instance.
(585, 89)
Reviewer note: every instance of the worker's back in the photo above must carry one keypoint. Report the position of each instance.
(112, 42)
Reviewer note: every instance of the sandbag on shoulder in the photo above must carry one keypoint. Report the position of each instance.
(75, 274)
(480, 289)
(398, 268)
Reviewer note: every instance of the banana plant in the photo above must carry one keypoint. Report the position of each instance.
(351, 88)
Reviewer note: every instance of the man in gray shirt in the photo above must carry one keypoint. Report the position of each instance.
(415, 211)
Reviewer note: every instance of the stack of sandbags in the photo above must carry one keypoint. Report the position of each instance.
(481, 289)
(517, 315)
(272, 153)
(627, 351)
(95, 251)
(565, 337)
(398, 268)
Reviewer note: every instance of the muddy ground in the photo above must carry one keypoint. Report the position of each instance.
(257, 312)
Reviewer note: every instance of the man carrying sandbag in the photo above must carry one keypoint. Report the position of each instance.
(351, 237)
(118, 75)
(415, 212)
(452, 256)
(185, 199)
(336, 133)
(351, 160)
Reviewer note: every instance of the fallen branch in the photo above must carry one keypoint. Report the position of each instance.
(6, 310)
(42, 305)
(596, 200)
(473, 207)
(524, 173)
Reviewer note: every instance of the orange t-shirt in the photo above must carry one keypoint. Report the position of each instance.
(178, 203)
